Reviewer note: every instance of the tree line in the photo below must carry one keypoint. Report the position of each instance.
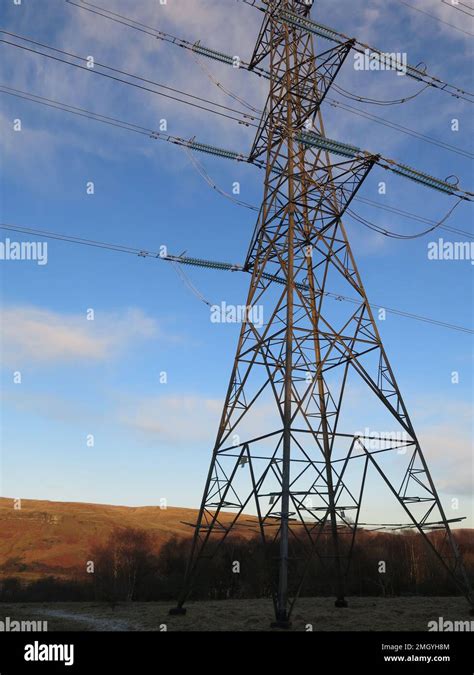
(129, 567)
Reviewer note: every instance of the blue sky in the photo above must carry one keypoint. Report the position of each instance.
(153, 440)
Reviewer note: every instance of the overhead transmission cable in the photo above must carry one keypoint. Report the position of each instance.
(398, 127)
(228, 60)
(301, 22)
(306, 24)
(244, 118)
(309, 139)
(195, 47)
(203, 173)
(117, 70)
(397, 235)
(436, 18)
(188, 283)
(155, 135)
(380, 230)
(82, 112)
(335, 103)
(374, 101)
(458, 6)
(128, 126)
(227, 91)
(208, 264)
(413, 216)
(435, 224)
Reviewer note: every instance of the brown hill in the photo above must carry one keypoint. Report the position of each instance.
(56, 538)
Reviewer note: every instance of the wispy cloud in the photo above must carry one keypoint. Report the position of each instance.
(444, 434)
(37, 335)
(190, 418)
(173, 419)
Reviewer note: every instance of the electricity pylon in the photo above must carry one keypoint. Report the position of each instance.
(313, 371)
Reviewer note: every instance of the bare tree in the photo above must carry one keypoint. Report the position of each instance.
(123, 564)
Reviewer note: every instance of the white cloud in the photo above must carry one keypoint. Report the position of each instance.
(75, 412)
(174, 419)
(191, 418)
(226, 26)
(448, 451)
(444, 432)
(37, 335)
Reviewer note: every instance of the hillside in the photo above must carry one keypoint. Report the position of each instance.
(56, 538)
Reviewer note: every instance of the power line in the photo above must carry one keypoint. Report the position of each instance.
(374, 101)
(309, 139)
(82, 112)
(121, 72)
(128, 126)
(203, 173)
(303, 23)
(155, 135)
(195, 47)
(335, 103)
(245, 117)
(415, 72)
(398, 127)
(396, 235)
(306, 24)
(188, 283)
(220, 86)
(122, 124)
(436, 18)
(434, 224)
(210, 264)
(412, 216)
(80, 240)
(458, 7)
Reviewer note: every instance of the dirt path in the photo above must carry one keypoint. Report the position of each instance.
(92, 622)
(314, 614)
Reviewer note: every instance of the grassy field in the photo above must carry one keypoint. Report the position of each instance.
(373, 614)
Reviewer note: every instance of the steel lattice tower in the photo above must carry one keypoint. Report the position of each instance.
(285, 446)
